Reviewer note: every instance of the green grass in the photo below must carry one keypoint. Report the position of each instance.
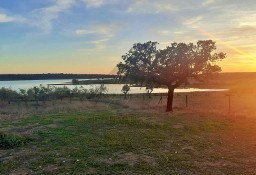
(114, 142)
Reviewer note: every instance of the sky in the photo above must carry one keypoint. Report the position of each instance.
(90, 36)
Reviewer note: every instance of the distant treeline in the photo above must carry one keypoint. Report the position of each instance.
(9, 77)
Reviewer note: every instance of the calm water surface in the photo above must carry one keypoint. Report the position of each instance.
(112, 88)
(25, 84)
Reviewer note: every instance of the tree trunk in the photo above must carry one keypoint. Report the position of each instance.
(170, 99)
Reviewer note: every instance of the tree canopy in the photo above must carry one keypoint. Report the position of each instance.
(173, 66)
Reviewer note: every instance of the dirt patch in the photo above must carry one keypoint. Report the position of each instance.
(51, 168)
(52, 126)
(20, 172)
(12, 154)
(26, 130)
(130, 159)
(91, 171)
(5, 158)
(29, 130)
(178, 126)
(218, 164)
(190, 150)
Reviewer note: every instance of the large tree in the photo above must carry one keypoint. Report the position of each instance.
(172, 66)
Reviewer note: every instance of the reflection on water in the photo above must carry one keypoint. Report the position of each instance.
(112, 88)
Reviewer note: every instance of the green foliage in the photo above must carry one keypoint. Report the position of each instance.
(23, 94)
(61, 92)
(43, 94)
(137, 66)
(11, 141)
(81, 92)
(96, 91)
(7, 94)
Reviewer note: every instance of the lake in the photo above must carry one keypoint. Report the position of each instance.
(112, 88)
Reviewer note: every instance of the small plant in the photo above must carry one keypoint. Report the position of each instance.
(82, 93)
(149, 90)
(75, 81)
(102, 89)
(125, 90)
(8, 141)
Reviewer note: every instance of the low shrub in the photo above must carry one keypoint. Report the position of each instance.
(8, 141)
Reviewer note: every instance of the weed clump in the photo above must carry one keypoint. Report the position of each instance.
(8, 141)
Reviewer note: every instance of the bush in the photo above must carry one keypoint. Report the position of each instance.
(8, 141)
(42, 93)
(7, 94)
(75, 81)
(125, 90)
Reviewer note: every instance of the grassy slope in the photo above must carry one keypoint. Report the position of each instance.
(112, 141)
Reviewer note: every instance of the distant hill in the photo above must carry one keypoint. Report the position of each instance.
(243, 82)
(10, 77)
(236, 78)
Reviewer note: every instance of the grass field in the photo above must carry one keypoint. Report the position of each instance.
(133, 136)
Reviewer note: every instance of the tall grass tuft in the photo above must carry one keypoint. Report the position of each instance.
(8, 141)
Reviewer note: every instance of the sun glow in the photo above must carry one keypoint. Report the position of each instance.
(231, 47)
(242, 59)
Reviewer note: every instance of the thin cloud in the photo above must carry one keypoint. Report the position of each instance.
(248, 19)
(207, 2)
(106, 30)
(46, 16)
(4, 18)
(165, 32)
(99, 3)
(84, 32)
(100, 41)
(94, 3)
(193, 21)
(103, 33)
(150, 6)
(170, 32)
